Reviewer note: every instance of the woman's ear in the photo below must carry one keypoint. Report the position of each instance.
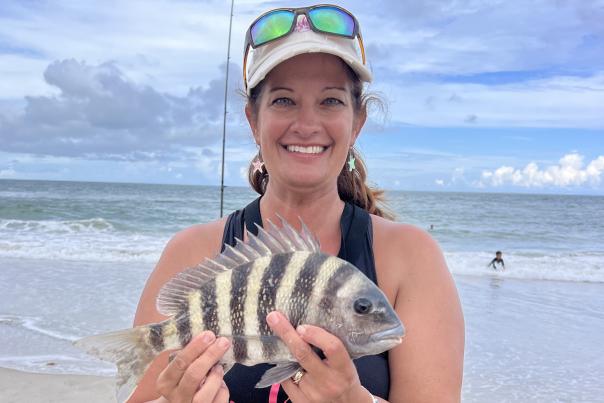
(358, 123)
(252, 119)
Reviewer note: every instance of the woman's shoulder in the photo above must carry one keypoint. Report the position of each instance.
(198, 238)
(401, 237)
(405, 252)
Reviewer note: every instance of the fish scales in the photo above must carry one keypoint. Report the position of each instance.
(267, 297)
(303, 287)
(209, 311)
(239, 282)
(231, 295)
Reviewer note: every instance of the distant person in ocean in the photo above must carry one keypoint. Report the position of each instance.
(497, 261)
(304, 77)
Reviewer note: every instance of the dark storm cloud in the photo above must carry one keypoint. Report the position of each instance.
(98, 111)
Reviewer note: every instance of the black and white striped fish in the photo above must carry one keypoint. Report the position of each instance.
(280, 269)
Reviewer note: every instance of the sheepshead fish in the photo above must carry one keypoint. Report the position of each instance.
(280, 269)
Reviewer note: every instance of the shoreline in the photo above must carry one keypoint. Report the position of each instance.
(26, 387)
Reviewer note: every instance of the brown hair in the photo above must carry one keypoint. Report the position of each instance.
(352, 185)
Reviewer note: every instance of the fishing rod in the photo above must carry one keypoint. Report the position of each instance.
(226, 86)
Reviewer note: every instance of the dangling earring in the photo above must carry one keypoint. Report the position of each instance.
(351, 161)
(258, 163)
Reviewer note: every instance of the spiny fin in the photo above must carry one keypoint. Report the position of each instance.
(278, 374)
(174, 294)
(128, 350)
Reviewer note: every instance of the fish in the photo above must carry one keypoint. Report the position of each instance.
(279, 269)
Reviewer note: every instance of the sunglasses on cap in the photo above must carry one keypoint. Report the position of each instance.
(278, 23)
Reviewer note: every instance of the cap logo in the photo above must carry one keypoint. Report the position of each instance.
(302, 24)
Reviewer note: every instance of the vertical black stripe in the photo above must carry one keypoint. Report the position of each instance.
(209, 307)
(156, 337)
(183, 324)
(267, 296)
(239, 279)
(304, 286)
(337, 279)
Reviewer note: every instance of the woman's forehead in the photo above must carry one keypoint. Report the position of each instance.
(312, 68)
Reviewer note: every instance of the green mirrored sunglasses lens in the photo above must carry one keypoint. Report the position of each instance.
(272, 26)
(332, 20)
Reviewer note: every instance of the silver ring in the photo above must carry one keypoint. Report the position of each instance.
(298, 376)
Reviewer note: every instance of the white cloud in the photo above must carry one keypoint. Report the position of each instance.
(7, 173)
(439, 182)
(570, 171)
(553, 102)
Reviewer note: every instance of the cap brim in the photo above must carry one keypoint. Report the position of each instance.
(310, 44)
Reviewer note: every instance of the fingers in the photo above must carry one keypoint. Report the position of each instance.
(223, 394)
(332, 347)
(170, 376)
(198, 370)
(301, 350)
(210, 386)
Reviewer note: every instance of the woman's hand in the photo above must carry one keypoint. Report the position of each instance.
(333, 379)
(194, 374)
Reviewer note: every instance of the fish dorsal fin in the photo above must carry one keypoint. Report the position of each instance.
(174, 294)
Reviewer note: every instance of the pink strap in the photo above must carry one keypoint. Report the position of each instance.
(274, 393)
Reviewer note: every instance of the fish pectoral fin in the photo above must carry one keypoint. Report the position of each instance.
(278, 374)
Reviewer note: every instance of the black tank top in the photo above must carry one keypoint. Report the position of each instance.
(356, 247)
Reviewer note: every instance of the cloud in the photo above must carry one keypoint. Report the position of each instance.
(99, 111)
(563, 101)
(570, 171)
(451, 37)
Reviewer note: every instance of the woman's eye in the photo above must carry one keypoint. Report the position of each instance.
(283, 101)
(333, 101)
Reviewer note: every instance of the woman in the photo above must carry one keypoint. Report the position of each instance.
(304, 71)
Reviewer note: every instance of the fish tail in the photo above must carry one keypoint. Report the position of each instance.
(132, 350)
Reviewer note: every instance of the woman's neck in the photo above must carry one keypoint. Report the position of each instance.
(320, 211)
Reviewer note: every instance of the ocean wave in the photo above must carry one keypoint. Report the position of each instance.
(94, 239)
(33, 324)
(96, 224)
(58, 364)
(532, 265)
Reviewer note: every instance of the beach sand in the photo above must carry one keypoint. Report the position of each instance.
(22, 387)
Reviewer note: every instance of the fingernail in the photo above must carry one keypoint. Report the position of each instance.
(272, 318)
(218, 369)
(301, 330)
(223, 342)
(208, 337)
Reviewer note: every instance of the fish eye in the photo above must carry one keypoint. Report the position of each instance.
(362, 305)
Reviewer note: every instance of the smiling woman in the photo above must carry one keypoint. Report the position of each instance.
(304, 74)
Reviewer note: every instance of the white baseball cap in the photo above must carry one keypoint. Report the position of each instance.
(262, 59)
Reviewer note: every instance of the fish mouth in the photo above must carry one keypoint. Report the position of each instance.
(394, 334)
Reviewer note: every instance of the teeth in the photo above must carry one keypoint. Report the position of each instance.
(306, 150)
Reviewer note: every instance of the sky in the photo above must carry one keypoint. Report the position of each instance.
(480, 95)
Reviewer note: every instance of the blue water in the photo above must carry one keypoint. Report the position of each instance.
(74, 258)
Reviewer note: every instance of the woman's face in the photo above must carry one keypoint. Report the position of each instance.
(305, 121)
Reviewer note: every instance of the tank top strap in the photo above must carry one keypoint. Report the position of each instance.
(356, 245)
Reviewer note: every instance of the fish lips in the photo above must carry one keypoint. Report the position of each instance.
(388, 338)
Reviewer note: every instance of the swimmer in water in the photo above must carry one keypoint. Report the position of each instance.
(497, 261)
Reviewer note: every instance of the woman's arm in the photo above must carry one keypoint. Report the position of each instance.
(186, 249)
(428, 365)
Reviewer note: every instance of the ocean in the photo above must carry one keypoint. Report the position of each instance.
(74, 258)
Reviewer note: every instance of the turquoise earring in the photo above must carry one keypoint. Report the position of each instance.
(351, 161)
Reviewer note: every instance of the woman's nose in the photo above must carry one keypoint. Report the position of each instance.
(307, 121)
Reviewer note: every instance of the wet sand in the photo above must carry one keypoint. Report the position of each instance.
(22, 387)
